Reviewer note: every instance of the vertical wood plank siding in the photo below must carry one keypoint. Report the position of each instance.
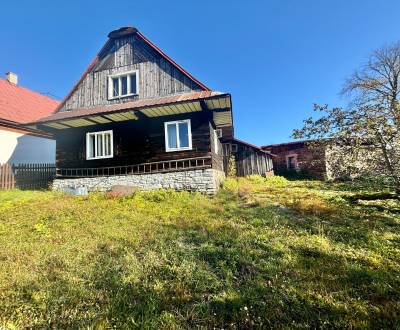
(157, 77)
(248, 160)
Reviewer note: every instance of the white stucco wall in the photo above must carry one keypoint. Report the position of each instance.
(17, 148)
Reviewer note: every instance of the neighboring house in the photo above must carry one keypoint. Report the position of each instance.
(136, 117)
(298, 158)
(313, 159)
(18, 106)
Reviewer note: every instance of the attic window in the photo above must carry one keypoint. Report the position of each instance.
(122, 85)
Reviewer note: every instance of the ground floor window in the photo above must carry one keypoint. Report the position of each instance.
(178, 135)
(99, 145)
(291, 162)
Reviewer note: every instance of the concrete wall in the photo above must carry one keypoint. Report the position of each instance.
(17, 147)
(205, 181)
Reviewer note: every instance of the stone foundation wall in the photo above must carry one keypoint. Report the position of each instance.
(205, 181)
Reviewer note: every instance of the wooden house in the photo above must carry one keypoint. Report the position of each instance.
(137, 118)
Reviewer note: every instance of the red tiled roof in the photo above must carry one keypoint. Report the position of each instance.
(22, 105)
(82, 112)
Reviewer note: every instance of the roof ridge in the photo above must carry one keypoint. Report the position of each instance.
(29, 90)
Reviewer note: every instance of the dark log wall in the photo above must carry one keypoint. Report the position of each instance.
(157, 77)
(135, 142)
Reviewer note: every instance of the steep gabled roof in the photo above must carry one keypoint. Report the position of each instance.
(125, 31)
(21, 105)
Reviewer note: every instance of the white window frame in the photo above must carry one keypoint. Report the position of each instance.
(95, 144)
(216, 140)
(178, 148)
(119, 75)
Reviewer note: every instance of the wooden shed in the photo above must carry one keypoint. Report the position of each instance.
(249, 159)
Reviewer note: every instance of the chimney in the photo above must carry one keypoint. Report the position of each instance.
(12, 78)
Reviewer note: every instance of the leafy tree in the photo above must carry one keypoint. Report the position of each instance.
(369, 128)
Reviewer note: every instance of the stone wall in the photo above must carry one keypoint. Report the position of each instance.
(205, 181)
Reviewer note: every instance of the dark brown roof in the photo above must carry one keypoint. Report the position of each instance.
(134, 105)
(250, 145)
(285, 144)
(8, 124)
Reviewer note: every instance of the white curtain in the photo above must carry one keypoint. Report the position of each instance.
(172, 138)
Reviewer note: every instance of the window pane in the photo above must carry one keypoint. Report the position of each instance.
(91, 146)
(107, 144)
(124, 85)
(99, 145)
(133, 83)
(215, 141)
(115, 86)
(183, 135)
(172, 139)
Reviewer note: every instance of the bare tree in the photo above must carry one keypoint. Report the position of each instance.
(370, 125)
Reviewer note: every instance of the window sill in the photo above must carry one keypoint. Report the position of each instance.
(95, 158)
(122, 96)
(176, 150)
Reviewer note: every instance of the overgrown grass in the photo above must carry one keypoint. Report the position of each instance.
(261, 254)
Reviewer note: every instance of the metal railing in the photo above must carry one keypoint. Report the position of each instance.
(138, 169)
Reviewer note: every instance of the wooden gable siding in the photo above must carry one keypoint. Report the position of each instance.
(135, 142)
(157, 77)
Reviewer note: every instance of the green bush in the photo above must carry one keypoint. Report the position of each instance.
(231, 184)
(255, 178)
(276, 181)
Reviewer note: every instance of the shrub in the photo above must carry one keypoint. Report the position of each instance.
(255, 178)
(276, 181)
(231, 184)
(231, 166)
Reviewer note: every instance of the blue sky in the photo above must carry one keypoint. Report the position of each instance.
(276, 57)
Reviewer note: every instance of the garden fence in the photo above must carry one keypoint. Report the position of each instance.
(26, 176)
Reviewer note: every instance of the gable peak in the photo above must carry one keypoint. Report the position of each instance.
(122, 32)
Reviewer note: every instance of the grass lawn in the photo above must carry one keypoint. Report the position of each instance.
(261, 254)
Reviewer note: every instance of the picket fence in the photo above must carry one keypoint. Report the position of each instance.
(26, 176)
